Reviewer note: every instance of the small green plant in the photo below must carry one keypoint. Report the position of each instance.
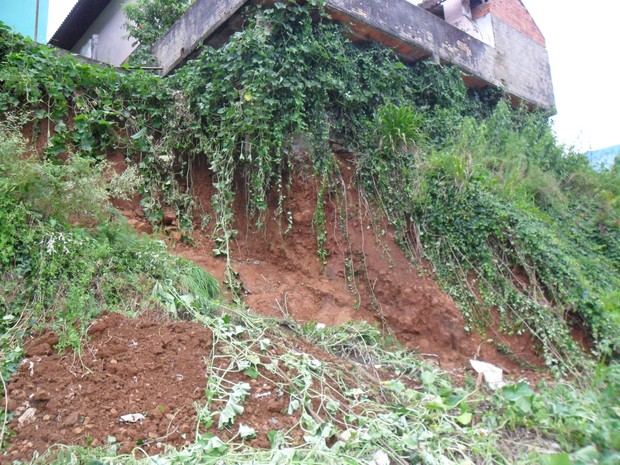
(400, 128)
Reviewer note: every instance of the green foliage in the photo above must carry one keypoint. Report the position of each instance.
(64, 260)
(399, 128)
(491, 210)
(513, 225)
(482, 187)
(148, 20)
(581, 416)
(290, 72)
(584, 416)
(73, 190)
(95, 110)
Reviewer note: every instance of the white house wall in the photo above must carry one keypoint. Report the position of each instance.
(485, 30)
(112, 45)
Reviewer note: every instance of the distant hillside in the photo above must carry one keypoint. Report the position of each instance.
(604, 157)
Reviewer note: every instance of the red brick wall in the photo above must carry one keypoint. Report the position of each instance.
(513, 13)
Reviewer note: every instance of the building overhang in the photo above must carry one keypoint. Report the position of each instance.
(516, 63)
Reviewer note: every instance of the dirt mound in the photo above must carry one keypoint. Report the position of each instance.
(175, 381)
(127, 366)
(143, 366)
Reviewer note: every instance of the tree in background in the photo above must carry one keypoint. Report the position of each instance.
(148, 20)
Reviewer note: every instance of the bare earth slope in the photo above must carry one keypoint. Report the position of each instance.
(367, 276)
(155, 366)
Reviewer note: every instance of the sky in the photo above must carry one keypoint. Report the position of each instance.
(582, 41)
(58, 11)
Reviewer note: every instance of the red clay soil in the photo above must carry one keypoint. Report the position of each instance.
(157, 367)
(367, 277)
(127, 366)
(148, 366)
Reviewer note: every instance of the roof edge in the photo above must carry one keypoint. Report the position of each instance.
(77, 22)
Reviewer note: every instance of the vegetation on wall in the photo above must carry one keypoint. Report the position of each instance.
(485, 190)
(66, 257)
(490, 209)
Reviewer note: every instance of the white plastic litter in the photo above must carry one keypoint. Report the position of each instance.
(380, 458)
(132, 418)
(492, 375)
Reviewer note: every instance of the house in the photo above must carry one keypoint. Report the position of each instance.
(28, 17)
(95, 29)
(493, 42)
(476, 17)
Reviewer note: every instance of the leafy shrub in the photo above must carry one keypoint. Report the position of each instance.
(63, 260)
(148, 20)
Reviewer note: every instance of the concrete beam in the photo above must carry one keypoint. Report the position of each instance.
(516, 64)
(200, 21)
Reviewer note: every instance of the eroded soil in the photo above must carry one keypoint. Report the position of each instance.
(367, 276)
(146, 366)
(127, 366)
(157, 368)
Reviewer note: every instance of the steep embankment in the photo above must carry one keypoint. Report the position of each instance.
(156, 367)
(430, 187)
(367, 277)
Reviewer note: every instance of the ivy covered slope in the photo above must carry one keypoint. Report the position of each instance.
(518, 230)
